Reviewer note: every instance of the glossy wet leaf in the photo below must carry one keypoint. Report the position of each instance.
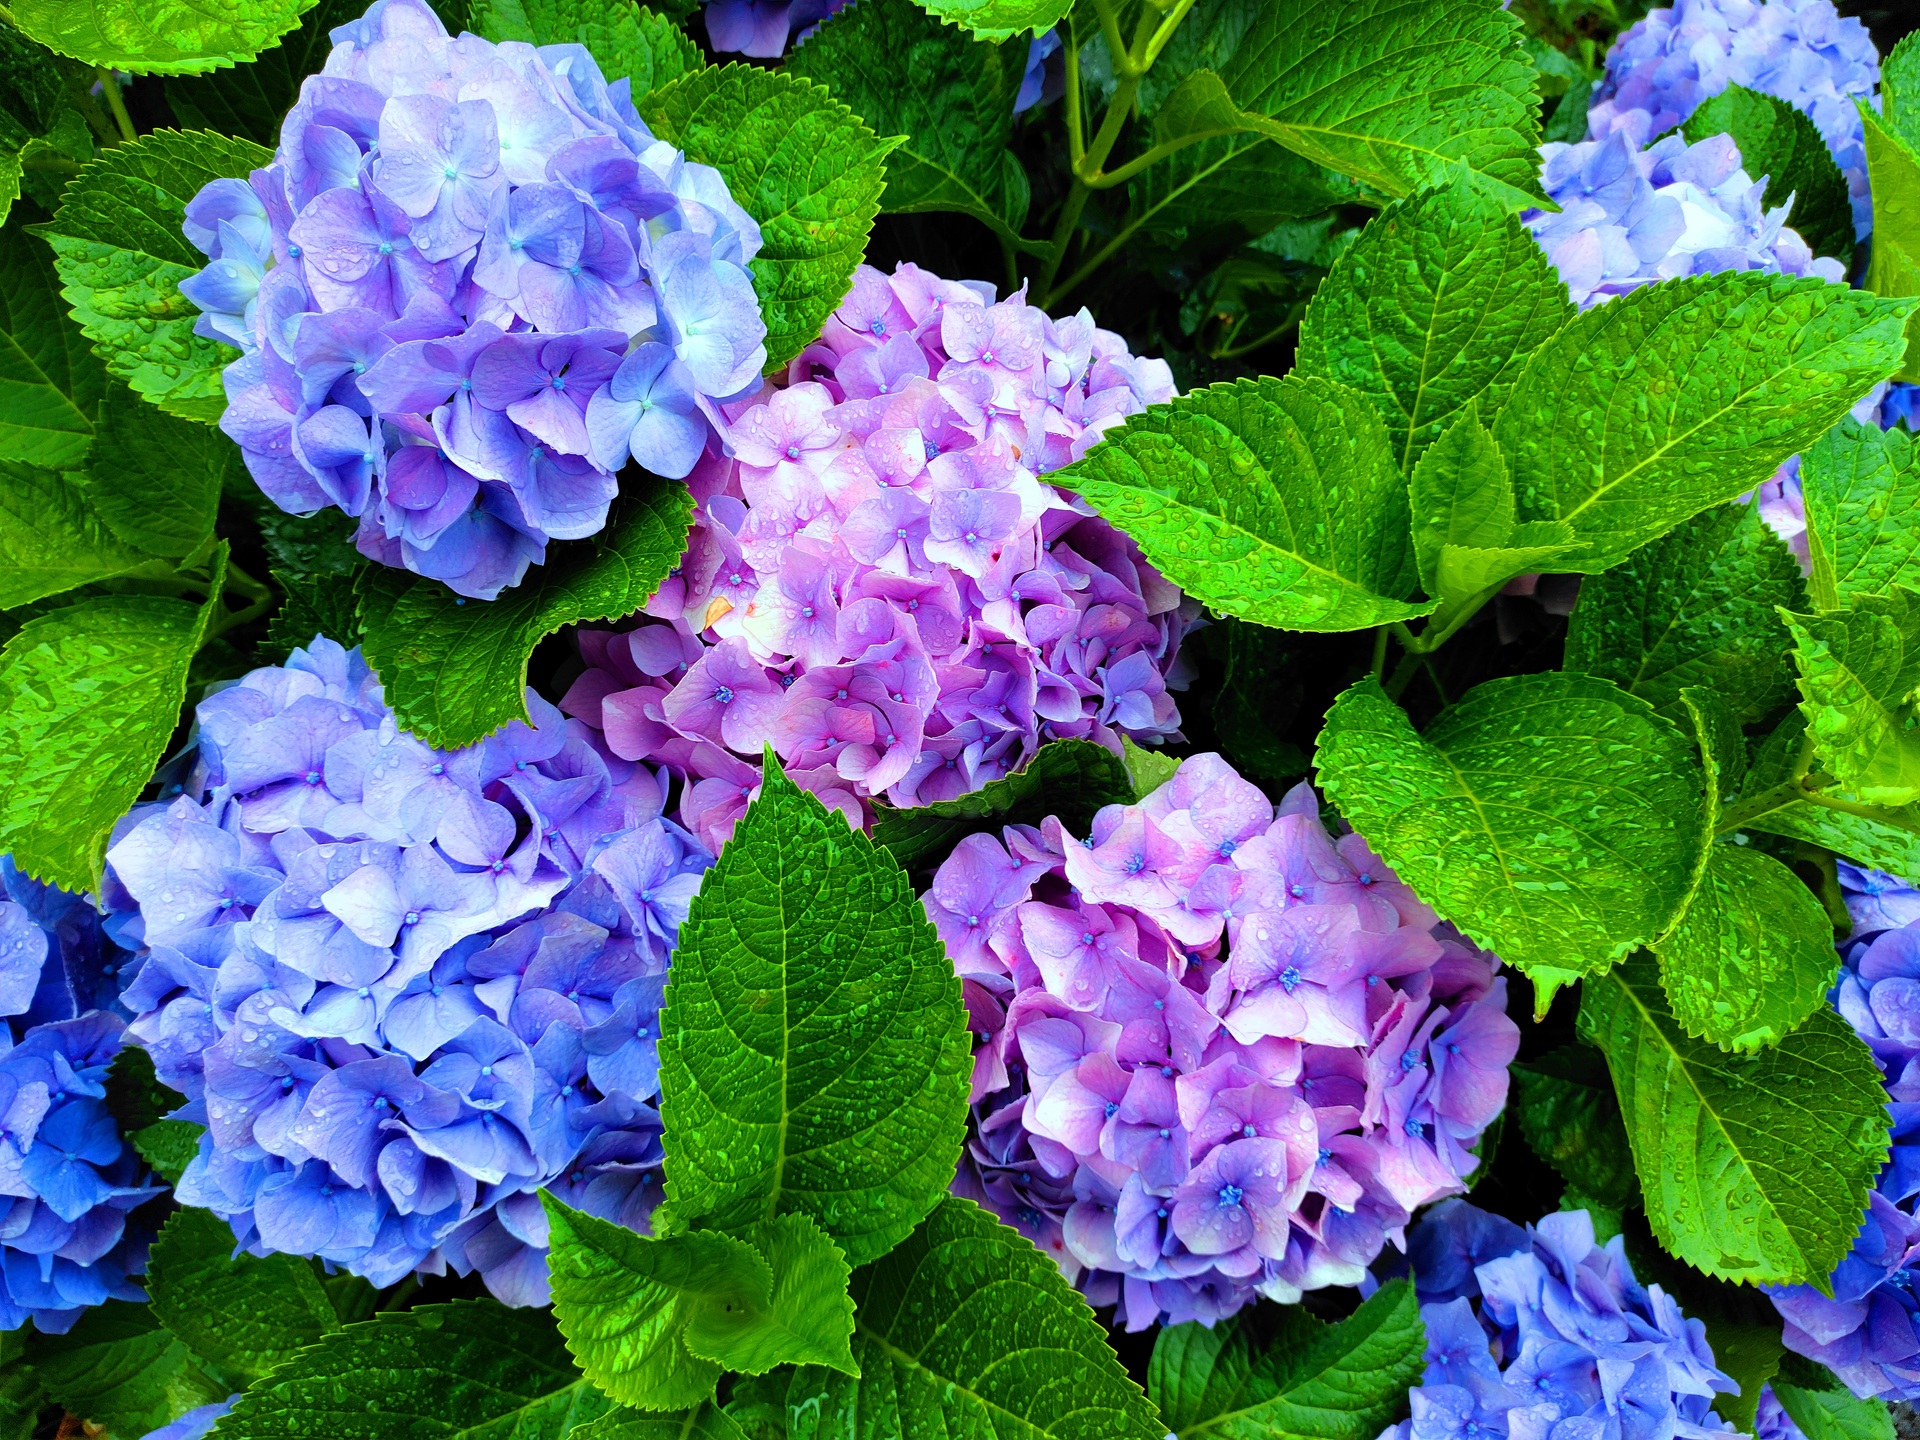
(244, 1313)
(158, 37)
(51, 538)
(627, 41)
(50, 379)
(153, 478)
(1862, 490)
(1859, 670)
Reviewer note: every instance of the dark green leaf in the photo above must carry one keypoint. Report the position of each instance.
(120, 253)
(1001, 19)
(456, 670)
(1754, 1167)
(813, 1049)
(1892, 844)
(168, 1146)
(1554, 818)
(704, 1423)
(1279, 1374)
(1859, 671)
(1275, 501)
(119, 1368)
(1784, 146)
(251, 100)
(472, 1370)
(1696, 607)
(50, 381)
(799, 162)
(245, 1313)
(1260, 691)
(1831, 1413)
(628, 41)
(1716, 730)
(1228, 190)
(1665, 402)
(153, 478)
(1893, 264)
(1862, 489)
(315, 605)
(135, 1096)
(1437, 306)
(51, 539)
(1564, 1104)
(1068, 778)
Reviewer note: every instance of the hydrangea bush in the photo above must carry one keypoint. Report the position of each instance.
(920, 718)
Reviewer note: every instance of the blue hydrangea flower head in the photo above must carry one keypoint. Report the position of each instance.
(70, 1237)
(404, 988)
(433, 297)
(1543, 1334)
(761, 28)
(1801, 51)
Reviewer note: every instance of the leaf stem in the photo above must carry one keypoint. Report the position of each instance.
(1076, 122)
(1379, 651)
(1403, 674)
(110, 87)
(1870, 812)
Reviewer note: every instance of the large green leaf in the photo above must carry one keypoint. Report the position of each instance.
(50, 380)
(1564, 1104)
(153, 478)
(456, 669)
(1893, 265)
(957, 115)
(703, 1423)
(93, 692)
(813, 1049)
(158, 37)
(1000, 19)
(1782, 145)
(655, 1322)
(1643, 412)
(1555, 819)
(1396, 93)
(1892, 844)
(1070, 779)
(1436, 306)
(628, 41)
(966, 1330)
(252, 100)
(43, 133)
(1900, 89)
(1829, 1412)
(118, 1367)
(245, 1313)
(1755, 1168)
(471, 1370)
(1752, 956)
(1280, 1374)
(1276, 501)
(120, 253)
(51, 539)
(1696, 607)
(1862, 489)
(1859, 671)
(1228, 190)
(803, 165)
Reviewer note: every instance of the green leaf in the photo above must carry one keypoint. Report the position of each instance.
(799, 162)
(93, 694)
(1665, 402)
(120, 254)
(1000, 19)
(1755, 1168)
(1147, 770)
(160, 37)
(1893, 264)
(1068, 778)
(703, 1423)
(1859, 669)
(808, 1320)
(1279, 1374)
(957, 115)
(1696, 607)
(315, 605)
(245, 1313)
(966, 1330)
(1784, 146)
(42, 131)
(251, 100)
(1397, 94)
(1554, 818)
(1723, 748)
(813, 1047)
(627, 40)
(1437, 306)
(471, 1370)
(1752, 956)
(1260, 694)
(51, 539)
(456, 670)
(1275, 501)
(119, 1368)
(1900, 90)
(1862, 489)
(1831, 1413)
(1228, 190)
(50, 381)
(1563, 1102)
(168, 1146)
(1892, 845)
(153, 477)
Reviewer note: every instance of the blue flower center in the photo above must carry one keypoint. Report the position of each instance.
(724, 694)
(1230, 1195)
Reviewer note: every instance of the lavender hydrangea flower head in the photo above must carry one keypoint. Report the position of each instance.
(72, 1185)
(1542, 1334)
(761, 28)
(404, 988)
(1219, 1054)
(1632, 214)
(459, 248)
(880, 584)
(1801, 51)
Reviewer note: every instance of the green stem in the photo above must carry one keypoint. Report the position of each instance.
(238, 579)
(110, 87)
(1379, 651)
(1165, 33)
(233, 620)
(1234, 352)
(1107, 179)
(1403, 674)
(1100, 257)
(1869, 812)
(1110, 29)
(1076, 122)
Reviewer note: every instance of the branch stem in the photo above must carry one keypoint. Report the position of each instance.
(116, 102)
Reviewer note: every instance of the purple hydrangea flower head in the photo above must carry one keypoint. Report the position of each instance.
(455, 251)
(74, 1235)
(1218, 1053)
(403, 988)
(1801, 51)
(761, 28)
(1542, 1334)
(1632, 214)
(879, 582)
(1037, 81)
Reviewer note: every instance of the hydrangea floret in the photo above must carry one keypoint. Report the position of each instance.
(470, 285)
(1220, 1054)
(761, 28)
(880, 584)
(404, 988)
